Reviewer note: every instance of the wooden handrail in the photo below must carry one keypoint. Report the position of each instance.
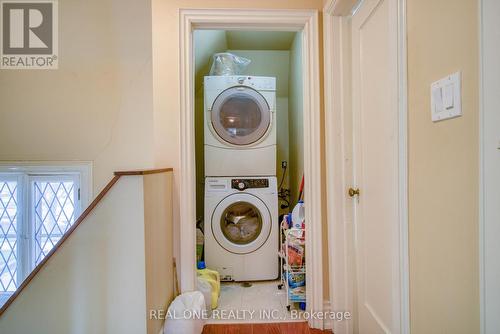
(144, 171)
(73, 227)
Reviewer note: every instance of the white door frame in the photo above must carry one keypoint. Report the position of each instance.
(489, 262)
(269, 20)
(338, 119)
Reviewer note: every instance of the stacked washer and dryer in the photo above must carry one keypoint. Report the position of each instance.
(241, 199)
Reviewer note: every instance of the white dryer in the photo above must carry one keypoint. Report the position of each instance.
(241, 227)
(240, 125)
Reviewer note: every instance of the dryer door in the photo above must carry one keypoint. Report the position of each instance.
(241, 223)
(240, 116)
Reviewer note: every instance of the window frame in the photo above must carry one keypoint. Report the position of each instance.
(26, 173)
(19, 219)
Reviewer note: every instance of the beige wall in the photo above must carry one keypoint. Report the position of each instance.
(114, 269)
(115, 98)
(158, 241)
(98, 105)
(101, 106)
(443, 170)
(95, 283)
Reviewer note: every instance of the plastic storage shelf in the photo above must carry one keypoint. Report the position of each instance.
(297, 294)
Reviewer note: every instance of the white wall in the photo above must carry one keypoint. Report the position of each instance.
(95, 283)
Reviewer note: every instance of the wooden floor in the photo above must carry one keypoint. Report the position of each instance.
(272, 328)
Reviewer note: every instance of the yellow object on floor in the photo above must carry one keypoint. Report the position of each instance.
(211, 277)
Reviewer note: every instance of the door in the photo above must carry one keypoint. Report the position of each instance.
(375, 164)
(241, 223)
(240, 116)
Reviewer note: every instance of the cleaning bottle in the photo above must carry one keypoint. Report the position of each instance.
(211, 277)
(204, 271)
(200, 239)
(298, 215)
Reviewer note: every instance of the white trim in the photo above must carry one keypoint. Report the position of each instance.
(328, 324)
(336, 78)
(404, 256)
(83, 168)
(335, 21)
(250, 19)
(187, 164)
(481, 204)
(489, 146)
(27, 172)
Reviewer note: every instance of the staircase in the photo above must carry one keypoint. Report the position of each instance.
(112, 267)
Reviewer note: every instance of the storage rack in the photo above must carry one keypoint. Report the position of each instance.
(287, 270)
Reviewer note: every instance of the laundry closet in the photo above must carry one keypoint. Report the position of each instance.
(249, 167)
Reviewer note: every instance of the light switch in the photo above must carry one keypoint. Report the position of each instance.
(446, 98)
(437, 95)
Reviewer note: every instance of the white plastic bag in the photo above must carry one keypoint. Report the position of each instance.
(206, 289)
(185, 313)
(226, 63)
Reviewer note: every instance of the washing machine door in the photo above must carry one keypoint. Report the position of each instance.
(241, 223)
(240, 116)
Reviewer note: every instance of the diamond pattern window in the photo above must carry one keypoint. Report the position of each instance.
(8, 235)
(54, 212)
(38, 205)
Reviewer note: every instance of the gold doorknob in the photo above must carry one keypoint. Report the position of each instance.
(353, 192)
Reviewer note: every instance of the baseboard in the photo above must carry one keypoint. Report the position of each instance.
(328, 322)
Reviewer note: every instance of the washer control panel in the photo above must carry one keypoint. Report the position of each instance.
(242, 184)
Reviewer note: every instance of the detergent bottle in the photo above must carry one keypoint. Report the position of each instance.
(211, 277)
(298, 215)
(200, 239)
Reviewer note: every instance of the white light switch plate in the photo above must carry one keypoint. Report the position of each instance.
(446, 98)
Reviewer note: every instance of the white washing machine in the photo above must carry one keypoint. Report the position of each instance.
(240, 125)
(241, 227)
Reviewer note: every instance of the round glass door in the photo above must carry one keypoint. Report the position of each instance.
(240, 116)
(241, 223)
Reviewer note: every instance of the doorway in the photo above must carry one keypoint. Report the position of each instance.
(365, 98)
(305, 23)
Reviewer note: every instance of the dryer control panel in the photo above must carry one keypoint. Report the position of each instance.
(242, 184)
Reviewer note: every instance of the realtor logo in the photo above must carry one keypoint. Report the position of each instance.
(28, 34)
